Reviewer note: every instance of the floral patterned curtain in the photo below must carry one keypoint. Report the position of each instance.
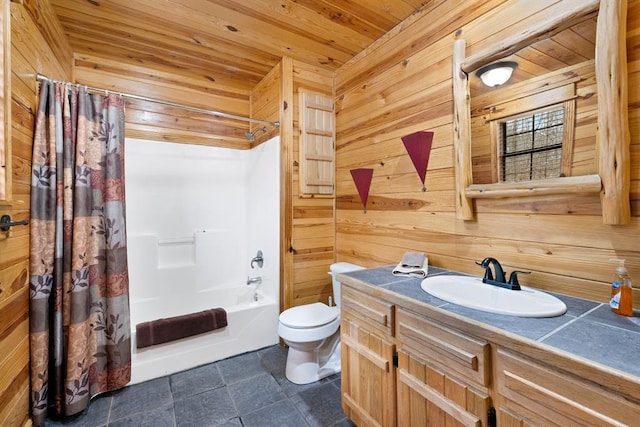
(80, 335)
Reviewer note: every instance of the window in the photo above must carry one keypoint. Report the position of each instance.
(531, 146)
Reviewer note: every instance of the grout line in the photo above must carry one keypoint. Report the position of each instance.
(561, 327)
(109, 411)
(226, 387)
(296, 408)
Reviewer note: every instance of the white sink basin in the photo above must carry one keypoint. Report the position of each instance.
(471, 292)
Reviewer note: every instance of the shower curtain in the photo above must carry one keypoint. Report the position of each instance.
(79, 283)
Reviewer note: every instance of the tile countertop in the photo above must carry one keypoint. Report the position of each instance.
(588, 329)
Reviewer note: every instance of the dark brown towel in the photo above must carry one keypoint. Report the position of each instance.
(173, 328)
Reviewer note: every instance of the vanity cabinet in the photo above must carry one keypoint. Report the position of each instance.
(366, 336)
(401, 368)
(406, 363)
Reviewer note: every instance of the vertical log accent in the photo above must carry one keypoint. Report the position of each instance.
(614, 163)
(5, 102)
(286, 171)
(462, 132)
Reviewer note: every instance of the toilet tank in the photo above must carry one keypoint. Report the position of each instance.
(335, 269)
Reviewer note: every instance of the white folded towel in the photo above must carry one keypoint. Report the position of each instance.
(413, 259)
(413, 264)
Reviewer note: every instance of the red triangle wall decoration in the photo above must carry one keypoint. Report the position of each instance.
(362, 179)
(418, 145)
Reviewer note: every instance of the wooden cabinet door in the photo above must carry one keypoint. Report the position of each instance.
(428, 396)
(368, 384)
(368, 380)
(536, 393)
(442, 374)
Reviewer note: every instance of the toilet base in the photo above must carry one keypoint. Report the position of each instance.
(303, 367)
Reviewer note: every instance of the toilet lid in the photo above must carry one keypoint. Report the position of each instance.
(309, 315)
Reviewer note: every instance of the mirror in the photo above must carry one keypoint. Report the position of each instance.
(611, 168)
(553, 84)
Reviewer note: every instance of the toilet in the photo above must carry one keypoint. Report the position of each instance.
(312, 332)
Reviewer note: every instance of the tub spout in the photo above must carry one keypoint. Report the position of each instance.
(254, 280)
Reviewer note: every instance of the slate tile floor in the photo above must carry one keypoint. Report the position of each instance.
(246, 390)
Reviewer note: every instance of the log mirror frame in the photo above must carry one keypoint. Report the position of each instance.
(613, 138)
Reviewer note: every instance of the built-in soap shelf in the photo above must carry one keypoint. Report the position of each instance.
(207, 258)
(189, 240)
(176, 252)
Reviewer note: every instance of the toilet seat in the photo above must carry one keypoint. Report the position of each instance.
(309, 316)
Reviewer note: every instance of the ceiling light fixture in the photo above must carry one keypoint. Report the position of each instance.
(496, 74)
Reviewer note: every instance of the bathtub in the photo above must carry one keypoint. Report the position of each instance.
(252, 318)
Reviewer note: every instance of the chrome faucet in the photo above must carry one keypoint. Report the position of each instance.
(254, 280)
(499, 279)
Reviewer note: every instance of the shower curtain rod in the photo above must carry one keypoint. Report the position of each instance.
(41, 77)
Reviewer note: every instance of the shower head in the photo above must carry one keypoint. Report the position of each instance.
(251, 136)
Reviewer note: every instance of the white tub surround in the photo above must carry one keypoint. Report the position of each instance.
(196, 218)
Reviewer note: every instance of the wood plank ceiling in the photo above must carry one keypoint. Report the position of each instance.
(232, 42)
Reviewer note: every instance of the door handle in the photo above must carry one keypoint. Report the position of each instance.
(6, 223)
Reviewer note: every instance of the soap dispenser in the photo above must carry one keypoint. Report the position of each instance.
(621, 292)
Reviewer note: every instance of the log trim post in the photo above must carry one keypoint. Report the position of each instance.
(462, 133)
(614, 164)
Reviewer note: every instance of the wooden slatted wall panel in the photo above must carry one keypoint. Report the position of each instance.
(402, 84)
(313, 217)
(38, 46)
(317, 143)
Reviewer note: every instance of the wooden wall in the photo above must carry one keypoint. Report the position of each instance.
(147, 120)
(37, 46)
(267, 100)
(307, 223)
(270, 100)
(313, 217)
(402, 84)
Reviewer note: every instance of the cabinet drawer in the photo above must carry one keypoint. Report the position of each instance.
(444, 347)
(545, 395)
(376, 312)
